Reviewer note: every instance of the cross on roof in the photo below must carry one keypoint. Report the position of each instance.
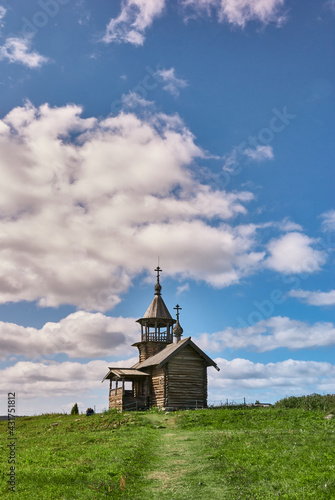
(158, 270)
(178, 309)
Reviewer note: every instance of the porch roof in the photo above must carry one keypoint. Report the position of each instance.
(124, 373)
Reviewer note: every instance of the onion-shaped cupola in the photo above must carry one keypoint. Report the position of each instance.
(177, 330)
(157, 323)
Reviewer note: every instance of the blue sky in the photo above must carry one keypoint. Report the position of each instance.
(199, 131)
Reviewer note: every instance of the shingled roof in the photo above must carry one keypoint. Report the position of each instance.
(157, 309)
(169, 352)
(157, 312)
(124, 372)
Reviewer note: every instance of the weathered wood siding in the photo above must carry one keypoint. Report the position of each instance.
(186, 380)
(116, 398)
(125, 400)
(157, 389)
(148, 349)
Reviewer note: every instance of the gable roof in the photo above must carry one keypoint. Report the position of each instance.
(124, 372)
(169, 352)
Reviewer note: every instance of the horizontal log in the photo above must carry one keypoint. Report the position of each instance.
(186, 381)
(187, 360)
(186, 367)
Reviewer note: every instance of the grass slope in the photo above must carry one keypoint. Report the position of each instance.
(217, 454)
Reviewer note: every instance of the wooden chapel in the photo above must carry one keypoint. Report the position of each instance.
(171, 372)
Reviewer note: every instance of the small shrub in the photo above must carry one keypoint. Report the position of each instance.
(75, 410)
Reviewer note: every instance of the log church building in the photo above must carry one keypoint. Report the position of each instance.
(171, 372)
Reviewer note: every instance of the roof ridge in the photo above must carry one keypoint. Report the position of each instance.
(164, 355)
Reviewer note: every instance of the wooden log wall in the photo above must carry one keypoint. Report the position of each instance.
(148, 349)
(157, 389)
(115, 400)
(186, 380)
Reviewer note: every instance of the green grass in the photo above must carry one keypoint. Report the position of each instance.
(230, 453)
(310, 402)
(63, 457)
(270, 453)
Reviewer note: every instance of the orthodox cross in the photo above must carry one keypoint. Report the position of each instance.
(158, 270)
(178, 309)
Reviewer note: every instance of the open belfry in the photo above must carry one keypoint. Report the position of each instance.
(171, 372)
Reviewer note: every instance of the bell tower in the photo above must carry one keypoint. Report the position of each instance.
(156, 325)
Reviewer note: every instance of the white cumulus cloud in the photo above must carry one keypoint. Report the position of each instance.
(2, 15)
(295, 253)
(287, 225)
(183, 288)
(135, 17)
(260, 153)
(61, 384)
(171, 83)
(328, 223)
(269, 334)
(317, 298)
(87, 203)
(270, 381)
(233, 159)
(18, 50)
(79, 335)
(240, 12)
(132, 101)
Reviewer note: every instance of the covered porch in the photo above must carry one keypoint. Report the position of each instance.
(128, 389)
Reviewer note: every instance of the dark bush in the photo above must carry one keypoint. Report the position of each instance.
(75, 410)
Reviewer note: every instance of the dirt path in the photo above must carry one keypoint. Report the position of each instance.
(180, 469)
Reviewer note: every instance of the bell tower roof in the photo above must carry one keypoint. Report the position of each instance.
(157, 311)
(156, 324)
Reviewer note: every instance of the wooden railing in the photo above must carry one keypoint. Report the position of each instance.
(116, 392)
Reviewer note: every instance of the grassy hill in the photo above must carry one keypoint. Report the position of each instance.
(243, 453)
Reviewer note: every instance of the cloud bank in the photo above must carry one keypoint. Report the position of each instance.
(269, 334)
(71, 382)
(241, 377)
(89, 203)
(79, 335)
